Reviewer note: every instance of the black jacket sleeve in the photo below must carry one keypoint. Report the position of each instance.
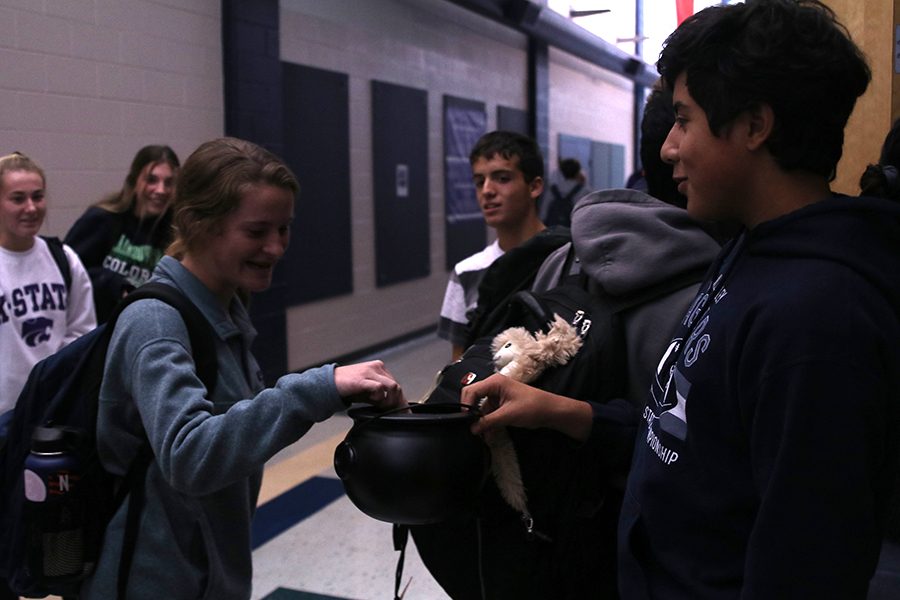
(92, 237)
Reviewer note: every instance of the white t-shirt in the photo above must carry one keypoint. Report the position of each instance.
(461, 295)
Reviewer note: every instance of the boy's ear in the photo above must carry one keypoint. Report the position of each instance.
(761, 120)
(536, 186)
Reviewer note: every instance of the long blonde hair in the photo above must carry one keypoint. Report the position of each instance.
(211, 183)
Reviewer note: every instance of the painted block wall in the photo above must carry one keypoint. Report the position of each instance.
(430, 45)
(439, 47)
(85, 83)
(589, 102)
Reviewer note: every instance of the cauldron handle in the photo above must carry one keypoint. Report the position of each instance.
(473, 409)
(345, 454)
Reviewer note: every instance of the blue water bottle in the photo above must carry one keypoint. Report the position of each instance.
(54, 510)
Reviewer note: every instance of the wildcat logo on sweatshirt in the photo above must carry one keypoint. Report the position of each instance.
(36, 331)
(32, 305)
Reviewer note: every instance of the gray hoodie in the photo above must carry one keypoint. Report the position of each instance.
(629, 242)
(209, 452)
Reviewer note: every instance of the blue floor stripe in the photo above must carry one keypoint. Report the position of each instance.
(283, 512)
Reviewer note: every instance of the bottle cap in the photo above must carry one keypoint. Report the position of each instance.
(48, 440)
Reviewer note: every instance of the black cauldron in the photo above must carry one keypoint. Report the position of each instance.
(414, 465)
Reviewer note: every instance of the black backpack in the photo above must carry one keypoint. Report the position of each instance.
(573, 496)
(55, 246)
(61, 395)
(560, 210)
(511, 273)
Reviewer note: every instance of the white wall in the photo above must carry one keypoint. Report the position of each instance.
(587, 101)
(85, 83)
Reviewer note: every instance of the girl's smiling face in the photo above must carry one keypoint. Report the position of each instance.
(243, 250)
(154, 189)
(22, 208)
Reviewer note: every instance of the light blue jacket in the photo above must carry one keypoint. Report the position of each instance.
(202, 488)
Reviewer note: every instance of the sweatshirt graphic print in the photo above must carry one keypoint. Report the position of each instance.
(670, 390)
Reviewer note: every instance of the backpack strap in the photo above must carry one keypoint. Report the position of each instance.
(554, 189)
(55, 245)
(573, 192)
(204, 353)
(571, 270)
(512, 272)
(401, 536)
(133, 487)
(200, 331)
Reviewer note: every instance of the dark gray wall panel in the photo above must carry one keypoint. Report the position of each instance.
(464, 122)
(601, 162)
(572, 146)
(400, 174)
(252, 81)
(317, 148)
(252, 72)
(607, 165)
(512, 119)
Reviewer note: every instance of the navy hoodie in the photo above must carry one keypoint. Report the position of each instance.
(768, 446)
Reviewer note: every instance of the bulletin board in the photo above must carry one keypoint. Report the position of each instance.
(400, 182)
(317, 148)
(464, 122)
(512, 119)
(602, 163)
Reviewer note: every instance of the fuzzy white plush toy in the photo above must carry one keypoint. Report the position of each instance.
(523, 356)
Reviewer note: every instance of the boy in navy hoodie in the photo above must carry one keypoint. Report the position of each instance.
(768, 447)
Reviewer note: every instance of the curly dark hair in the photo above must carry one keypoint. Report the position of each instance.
(569, 167)
(508, 144)
(880, 180)
(792, 55)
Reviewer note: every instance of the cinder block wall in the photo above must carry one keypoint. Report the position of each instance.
(85, 83)
(588, 101)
